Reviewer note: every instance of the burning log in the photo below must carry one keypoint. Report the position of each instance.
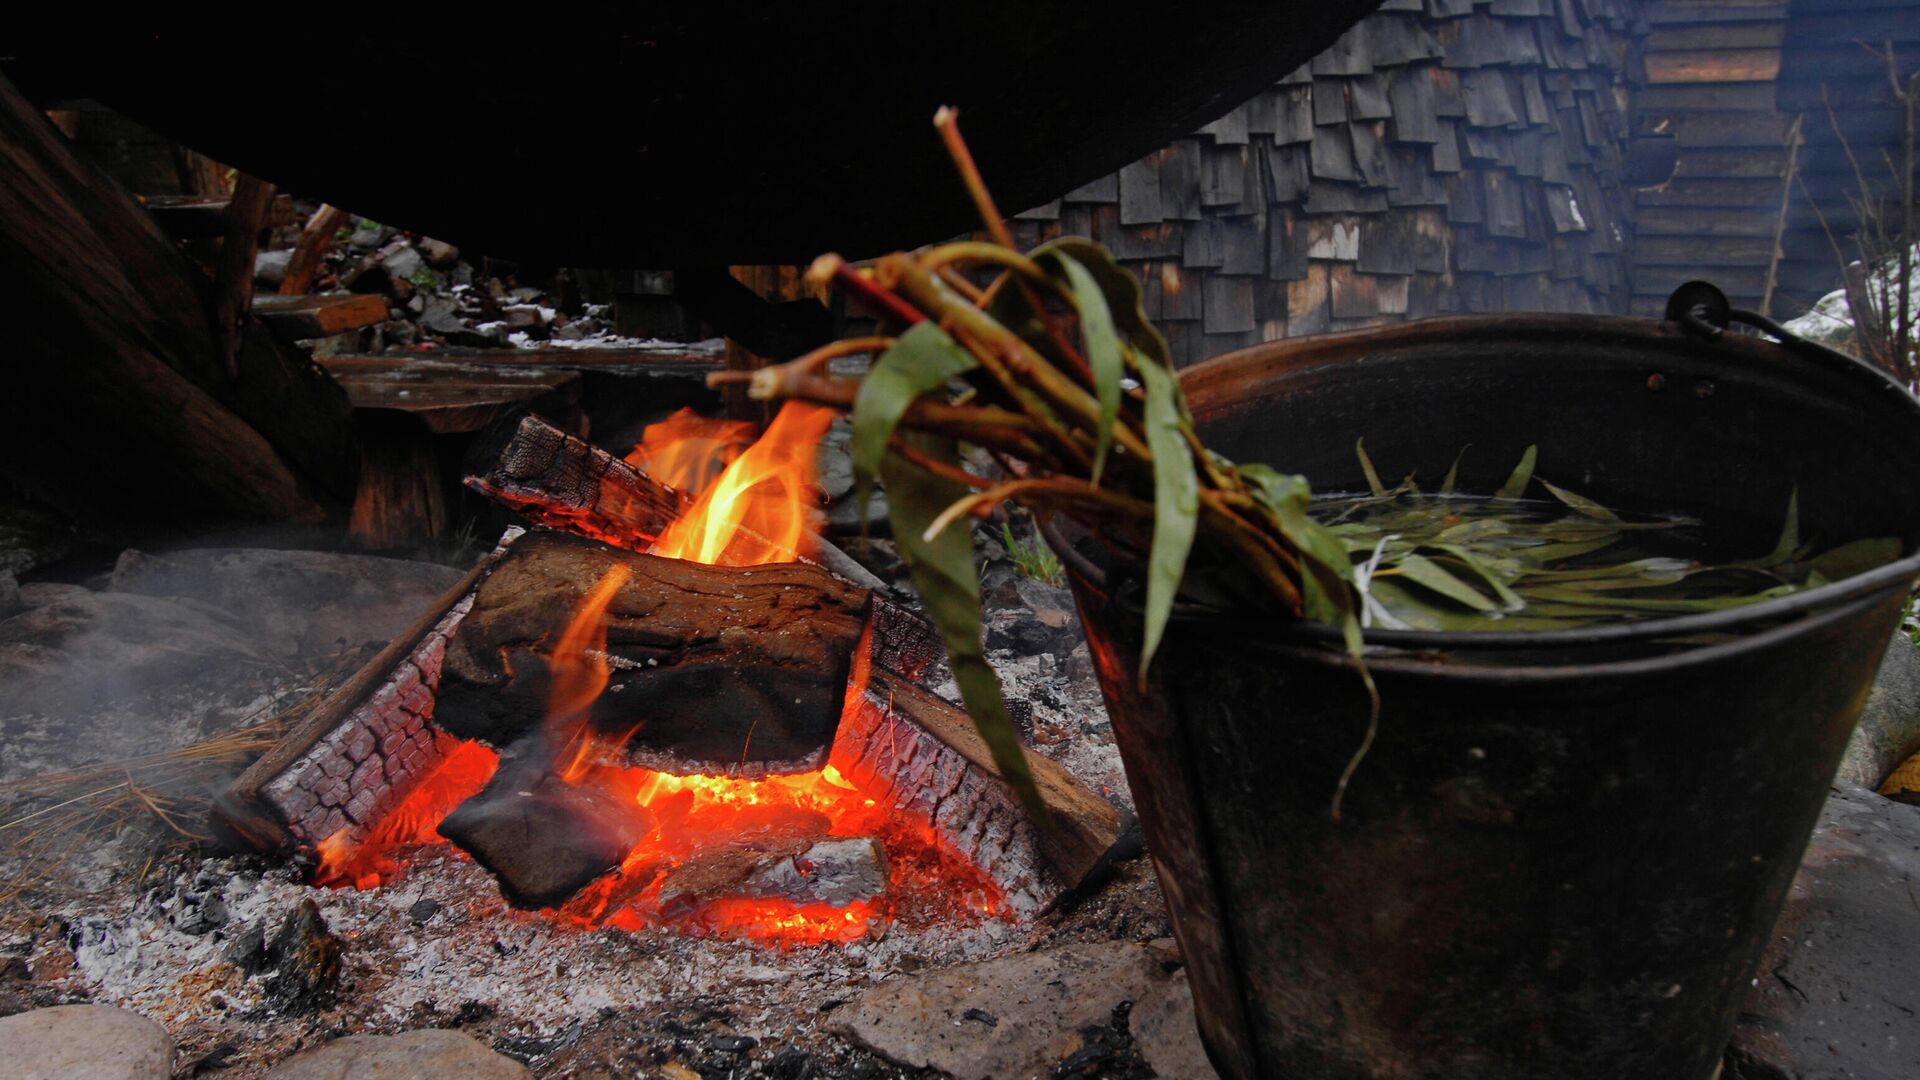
(568, 484)
(713, 670)
(565, 483)
(921, 754)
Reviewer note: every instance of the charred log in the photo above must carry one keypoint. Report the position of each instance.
(554, 479)
(543, 837)
(711, 669)
(565, 483)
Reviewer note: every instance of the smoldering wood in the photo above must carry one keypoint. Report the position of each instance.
(713, 669)
(544, 838)
(297, 793)
(919, 753)
(565, 483)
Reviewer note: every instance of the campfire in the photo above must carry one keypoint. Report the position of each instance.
(660, 709)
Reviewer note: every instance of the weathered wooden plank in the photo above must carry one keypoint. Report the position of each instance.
(1757, 193)
(1725, 65)
(1655, 250)
(296, 318)
(1692, 221)
(1741, 36)
(1755, 97)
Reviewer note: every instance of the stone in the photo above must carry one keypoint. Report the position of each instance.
(71, 647)
(1835, 994)
(270, 267)
(1038, 1003)
(439, 253)
(402, 262)
(523, 317)
(9, 593)
(432, 1054)
(1889, 729)
(292, 603)
(846, 516)
(1164, 1029)
(833, 464)
(93, 1041)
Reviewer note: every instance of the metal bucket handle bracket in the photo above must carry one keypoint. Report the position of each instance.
(1701, 309)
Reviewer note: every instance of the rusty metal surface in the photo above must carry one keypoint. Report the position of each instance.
(1555, 860)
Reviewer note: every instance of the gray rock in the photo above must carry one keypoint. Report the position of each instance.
(834, 466)
(92, 1041)
(1889, 728)
(368, 235)
(73, 647)
(439, 253)
(9, 593)
(1163, 1027)
(415, 1055)
(402, 262)
(1038, 1002)
(270, 267)
(523, 316)
(846, 516)
(1835, 995)
(292, 603)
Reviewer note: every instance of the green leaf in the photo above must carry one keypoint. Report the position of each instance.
(1122, 291)
(1176, 503)
(1516, 485)
(1366, 466)
(1789, 541)
(1326, 586)
(1423, 571)
(1103, 352)
(948, 582)
(1857, 557)
(922, 359)
(1582, 505)
(1453, 471)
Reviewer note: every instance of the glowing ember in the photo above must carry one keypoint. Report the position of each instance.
(461, 775)
(753, 508)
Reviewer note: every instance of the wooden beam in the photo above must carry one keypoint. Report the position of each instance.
(1723, 65)
(297, 318)
(233, 274)
(309, 252)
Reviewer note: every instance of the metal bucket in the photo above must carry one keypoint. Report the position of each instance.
(1564, 852)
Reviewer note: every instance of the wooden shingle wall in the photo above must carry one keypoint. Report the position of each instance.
(1711, 67)
(1829, 60)
(1442, 156)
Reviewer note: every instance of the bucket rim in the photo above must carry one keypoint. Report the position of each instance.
(1426, 334)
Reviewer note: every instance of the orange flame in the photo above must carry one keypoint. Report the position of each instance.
(687, 450)
(579, 672)
(756, 512)
(752, 508)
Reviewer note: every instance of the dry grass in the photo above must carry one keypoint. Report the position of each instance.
(53, 817)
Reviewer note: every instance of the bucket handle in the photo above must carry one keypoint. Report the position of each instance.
(1701, 309)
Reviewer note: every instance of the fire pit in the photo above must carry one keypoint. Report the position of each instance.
(653, 710)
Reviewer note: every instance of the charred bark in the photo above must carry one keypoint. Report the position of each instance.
(711, 669)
